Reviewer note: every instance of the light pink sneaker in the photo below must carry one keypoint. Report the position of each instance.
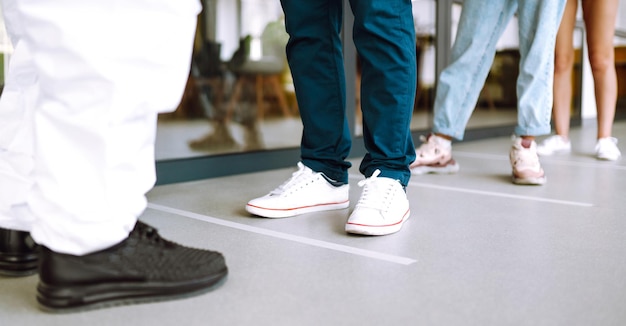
(434, 156)
(525, 163)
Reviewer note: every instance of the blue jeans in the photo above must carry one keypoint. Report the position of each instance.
(385, 40)
(480, 26)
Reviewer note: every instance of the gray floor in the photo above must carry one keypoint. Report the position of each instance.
(477, 250)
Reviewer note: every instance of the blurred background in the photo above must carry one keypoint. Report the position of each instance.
(239, 112)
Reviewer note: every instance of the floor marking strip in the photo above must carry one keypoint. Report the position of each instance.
(490, 193)
(550, 161)
(499, 194)
(286, 236)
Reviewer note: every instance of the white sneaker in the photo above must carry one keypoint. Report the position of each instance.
(305, 192)
(525, 164)
(606, 149)
(434, 156)
(553, 145)
(382, 208)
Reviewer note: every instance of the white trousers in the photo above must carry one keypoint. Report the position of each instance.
(78, 113)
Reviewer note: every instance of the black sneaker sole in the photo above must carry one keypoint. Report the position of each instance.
(17, 273)
(67, 299)
(17, 268)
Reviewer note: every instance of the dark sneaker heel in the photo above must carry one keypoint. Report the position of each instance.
(19, 254)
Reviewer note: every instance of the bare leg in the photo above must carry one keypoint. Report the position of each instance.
(599, 19)
(563, 64)
(527, 141)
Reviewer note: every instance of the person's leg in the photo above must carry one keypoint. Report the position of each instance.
(315, 58)
(562, 98)
(538, 24)
(314, 53)
(473, 52)
(384, 36)
(563, 66)
(599, 19)
(100, 93)
(460, 83)
(16, 130)
(18, 252)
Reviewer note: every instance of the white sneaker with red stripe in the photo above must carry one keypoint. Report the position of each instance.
(305, 192)
(382, 209)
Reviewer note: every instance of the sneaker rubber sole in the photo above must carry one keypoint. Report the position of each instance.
(16, 266)
(364, 229)
(289, 212)
(68, 299)
(528, 181)
(449, 168)
(607, 157)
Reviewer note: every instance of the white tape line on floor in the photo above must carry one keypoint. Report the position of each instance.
(286, 236)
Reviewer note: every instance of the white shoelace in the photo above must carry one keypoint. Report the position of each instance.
(375, 194)
(296, 178)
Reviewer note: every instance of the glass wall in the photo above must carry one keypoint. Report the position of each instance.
(239, 96)
(239, 114)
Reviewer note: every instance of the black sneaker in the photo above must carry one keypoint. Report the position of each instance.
(142, 268)
(18, 253)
